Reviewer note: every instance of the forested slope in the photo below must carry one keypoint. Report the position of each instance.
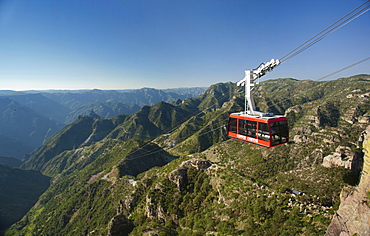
(20, 190)
(188, 178)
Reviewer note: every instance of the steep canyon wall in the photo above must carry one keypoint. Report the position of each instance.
(353, 215)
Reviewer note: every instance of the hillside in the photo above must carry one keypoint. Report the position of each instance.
(188, 178)
(10, 161)
(14, 147)
(27, 118)
(55, 156)
(81, 132)
(20, 189)
(64, 106)
(22, 129)
(104, 110)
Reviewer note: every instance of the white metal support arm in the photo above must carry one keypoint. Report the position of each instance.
(250, 77)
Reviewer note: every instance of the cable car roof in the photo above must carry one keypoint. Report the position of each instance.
(266, 116)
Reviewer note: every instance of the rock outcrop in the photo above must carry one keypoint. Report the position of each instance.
(341, 157)
(178, 176)
(353, 215)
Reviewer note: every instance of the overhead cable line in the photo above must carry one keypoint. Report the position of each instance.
(159, 149)
(360, 10)
(174, 127)
(178, 124)
(326, 76)
(347, 67)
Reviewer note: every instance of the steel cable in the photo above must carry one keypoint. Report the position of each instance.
(360, 10)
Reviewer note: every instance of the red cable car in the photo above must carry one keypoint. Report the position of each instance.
(266, 132)
(255, 127)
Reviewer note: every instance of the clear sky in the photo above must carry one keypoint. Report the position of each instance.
(126, 44)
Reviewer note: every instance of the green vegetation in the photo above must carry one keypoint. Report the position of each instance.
(105, 178)
(19, 191)
(247, 195)
(368, 199)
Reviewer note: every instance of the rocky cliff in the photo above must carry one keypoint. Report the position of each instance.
(353, 215)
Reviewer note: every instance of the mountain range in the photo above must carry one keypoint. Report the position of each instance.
(28, 118)
(170, 169)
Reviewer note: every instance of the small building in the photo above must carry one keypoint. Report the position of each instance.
(296, 192)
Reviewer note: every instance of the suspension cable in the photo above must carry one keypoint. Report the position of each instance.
(178, 124)
(159, 149)
(360, 10)
(347, 67)
(326, 76)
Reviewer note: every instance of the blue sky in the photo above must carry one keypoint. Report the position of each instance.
(125, 44)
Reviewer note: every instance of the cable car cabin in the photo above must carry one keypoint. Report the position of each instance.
(265, 131)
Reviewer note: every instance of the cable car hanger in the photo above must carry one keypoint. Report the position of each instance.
(255, 127)
(250, 77)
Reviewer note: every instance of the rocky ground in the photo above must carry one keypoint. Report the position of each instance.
(353, 215)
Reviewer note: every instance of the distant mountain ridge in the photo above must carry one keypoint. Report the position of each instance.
(64, 105)
(29, 117)
(22, 129)
(42, 105)
(105, 110)
(140, 97)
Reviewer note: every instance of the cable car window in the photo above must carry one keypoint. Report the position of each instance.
(263, 131)
(279, 132)
(252, 127)
(232, 125)
(247, 128)
(242, 127)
